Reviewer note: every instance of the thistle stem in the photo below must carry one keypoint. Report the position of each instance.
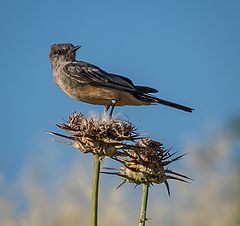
(95, 185)
(143, 212)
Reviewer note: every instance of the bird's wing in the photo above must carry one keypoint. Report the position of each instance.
(89, 74)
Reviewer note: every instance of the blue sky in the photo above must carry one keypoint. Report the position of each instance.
(189, 50)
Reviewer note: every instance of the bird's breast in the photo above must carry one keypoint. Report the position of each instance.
(84, 92)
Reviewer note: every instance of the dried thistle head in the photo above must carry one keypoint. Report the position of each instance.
(147, 162)
(100, 135)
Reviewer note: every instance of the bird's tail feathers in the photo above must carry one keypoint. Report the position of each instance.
(153, 100)
(174, 105)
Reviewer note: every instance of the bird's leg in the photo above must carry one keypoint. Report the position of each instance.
(106, 108)
(112, 107)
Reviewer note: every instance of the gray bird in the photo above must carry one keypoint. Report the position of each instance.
(88, 83)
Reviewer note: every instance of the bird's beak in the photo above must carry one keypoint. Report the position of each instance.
(76, 48)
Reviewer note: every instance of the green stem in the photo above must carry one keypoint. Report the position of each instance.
(144, 205)
(95, 184)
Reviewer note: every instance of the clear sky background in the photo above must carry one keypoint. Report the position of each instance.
(189, 50)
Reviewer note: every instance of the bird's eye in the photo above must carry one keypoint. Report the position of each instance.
(58, 51)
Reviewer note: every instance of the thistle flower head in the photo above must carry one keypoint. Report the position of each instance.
(147, 162)
(100, 135)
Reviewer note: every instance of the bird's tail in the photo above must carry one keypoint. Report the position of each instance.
(152, 99)
(174, 105)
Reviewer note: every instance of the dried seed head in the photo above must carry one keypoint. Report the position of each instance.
(100, 135)
(146, 162)
(143, 162)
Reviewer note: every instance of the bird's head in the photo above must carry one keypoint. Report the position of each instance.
(63, 52)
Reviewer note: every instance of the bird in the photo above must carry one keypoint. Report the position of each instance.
(89, 83)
